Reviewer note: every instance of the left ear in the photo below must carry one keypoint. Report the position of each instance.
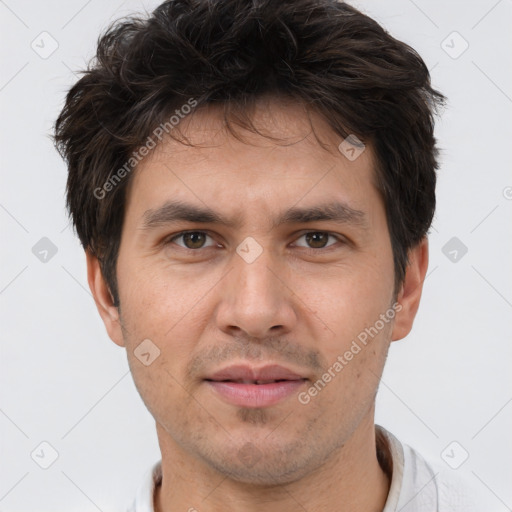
(410, 293)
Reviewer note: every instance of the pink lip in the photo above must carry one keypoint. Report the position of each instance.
(238, 384)
(256, 395)
(245, 372)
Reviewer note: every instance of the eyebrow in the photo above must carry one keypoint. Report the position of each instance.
(175, 211)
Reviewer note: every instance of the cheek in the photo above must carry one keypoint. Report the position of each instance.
(158, 300)
(350, 381)
(355, 345)
(171, 311)
(158, 387)
(346, 299)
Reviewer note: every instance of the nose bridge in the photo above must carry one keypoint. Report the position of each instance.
(255, 300)
(253, 278)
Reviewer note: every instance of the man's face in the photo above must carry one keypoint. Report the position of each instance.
(256, 292)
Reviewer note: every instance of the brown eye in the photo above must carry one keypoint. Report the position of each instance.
(194, 240)
(317, 240)
(191, 240)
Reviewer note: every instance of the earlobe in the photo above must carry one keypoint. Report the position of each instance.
(410, 292)
(103, 298)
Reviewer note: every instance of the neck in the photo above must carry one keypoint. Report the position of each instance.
(350, 480)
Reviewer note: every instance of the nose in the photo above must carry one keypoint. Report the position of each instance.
(256, 300)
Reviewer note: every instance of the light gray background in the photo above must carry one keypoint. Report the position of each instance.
(65, 383)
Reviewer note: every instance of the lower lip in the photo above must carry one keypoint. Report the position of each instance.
(256, 395)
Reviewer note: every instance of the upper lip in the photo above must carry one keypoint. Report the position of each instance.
(249, 373)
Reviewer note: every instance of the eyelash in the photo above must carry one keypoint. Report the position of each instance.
(307, 249)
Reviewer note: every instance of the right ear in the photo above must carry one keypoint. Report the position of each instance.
(103, 299)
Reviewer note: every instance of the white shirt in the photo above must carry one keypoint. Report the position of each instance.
(416, 485)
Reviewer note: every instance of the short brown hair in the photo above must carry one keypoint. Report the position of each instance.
(322, 53)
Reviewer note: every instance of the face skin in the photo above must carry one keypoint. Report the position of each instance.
(300, 304)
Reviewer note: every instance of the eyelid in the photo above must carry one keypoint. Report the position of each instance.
(297, 236)
(175, 236)
(328, 233)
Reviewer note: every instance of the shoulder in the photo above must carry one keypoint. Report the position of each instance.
(429, 482)
(143, 501)
(427, 486)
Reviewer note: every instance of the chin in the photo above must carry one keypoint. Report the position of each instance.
(262, 464)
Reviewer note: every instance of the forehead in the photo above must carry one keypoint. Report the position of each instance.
(282, 165)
